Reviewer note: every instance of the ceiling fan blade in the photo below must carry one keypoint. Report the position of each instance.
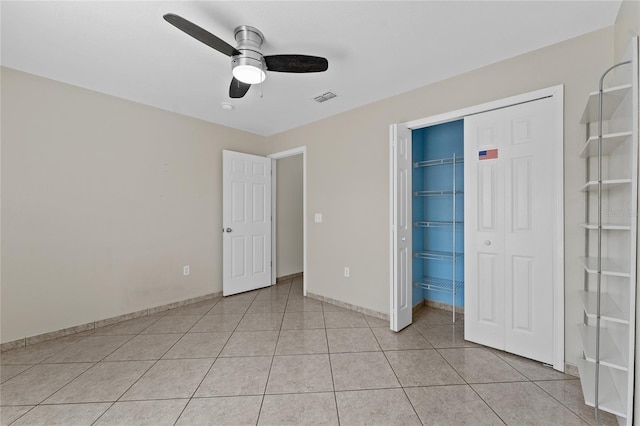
(201, 34)
(238, 89)
(296, 63)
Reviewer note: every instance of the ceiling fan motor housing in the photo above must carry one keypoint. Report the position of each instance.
(249, 40)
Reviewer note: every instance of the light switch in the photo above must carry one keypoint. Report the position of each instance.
(318, 218)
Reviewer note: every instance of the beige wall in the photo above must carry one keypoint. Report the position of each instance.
(348, 168)
(103, 202)
(289, 250)
(627, 26)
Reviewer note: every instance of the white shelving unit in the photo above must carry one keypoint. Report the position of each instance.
(608, 330)
(451, 286)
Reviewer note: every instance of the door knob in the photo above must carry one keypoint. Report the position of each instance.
(487, 242)
(228, 229)
(404, 238)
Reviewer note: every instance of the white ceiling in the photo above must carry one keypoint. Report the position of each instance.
(375, 49)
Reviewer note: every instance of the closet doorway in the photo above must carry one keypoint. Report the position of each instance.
(512, 296)
(289, 240)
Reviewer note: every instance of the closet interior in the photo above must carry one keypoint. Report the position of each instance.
(438, 216)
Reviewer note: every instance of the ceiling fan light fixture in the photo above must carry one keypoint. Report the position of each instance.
(249, 74)
(248, 69)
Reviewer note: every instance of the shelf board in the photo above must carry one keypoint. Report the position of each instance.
(438, 162)
(608, 309)
(437, 255)
(609, 144)
(438, 284)
(606, 227)
(437, 192)
(609, 353)
(608, 266)
(610, 102)
(608, 397)
(437, 224)
(593, 184)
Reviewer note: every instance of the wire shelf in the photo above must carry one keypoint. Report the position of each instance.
(437, 192)
(437, 255)
(438, 284)
(438, 162)
(438, 224)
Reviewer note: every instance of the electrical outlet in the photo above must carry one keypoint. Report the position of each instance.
(347, 272)
(186, 270)
(318, 218)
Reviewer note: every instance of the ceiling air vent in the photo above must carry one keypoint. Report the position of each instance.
(324, 97)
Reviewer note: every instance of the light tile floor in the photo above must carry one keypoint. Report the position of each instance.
(274, 357)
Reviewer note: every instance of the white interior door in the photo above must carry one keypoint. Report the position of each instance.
(246, 221)
(401, 308)
(509, 283)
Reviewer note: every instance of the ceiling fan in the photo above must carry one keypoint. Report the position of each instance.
(248, 64)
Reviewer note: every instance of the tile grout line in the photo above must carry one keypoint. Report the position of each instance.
(74, 378)
(463, 378)
(104, 412)
(155, 362)
(95, 363)
(471, 387)
(23, 414)
(210, 367)
(30, 366)
(135, 381)
(560, 402)
(42, 362)
(333, 383)
(384, 354)
(273, 357)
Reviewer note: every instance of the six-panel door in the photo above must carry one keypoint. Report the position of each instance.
(246, 221)
(509, 235)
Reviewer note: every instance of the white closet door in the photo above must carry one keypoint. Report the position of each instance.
(508, 229)
(401, 309)
(484, 249)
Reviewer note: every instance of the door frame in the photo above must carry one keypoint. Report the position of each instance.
(556, 93)
(302, 150)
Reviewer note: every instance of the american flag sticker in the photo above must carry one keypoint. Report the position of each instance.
(488, 154)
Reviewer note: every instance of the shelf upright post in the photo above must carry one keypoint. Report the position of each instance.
(454, 238)
(599, 250)
(587, 219)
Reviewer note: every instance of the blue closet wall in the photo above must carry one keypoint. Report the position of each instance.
(438, 142)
